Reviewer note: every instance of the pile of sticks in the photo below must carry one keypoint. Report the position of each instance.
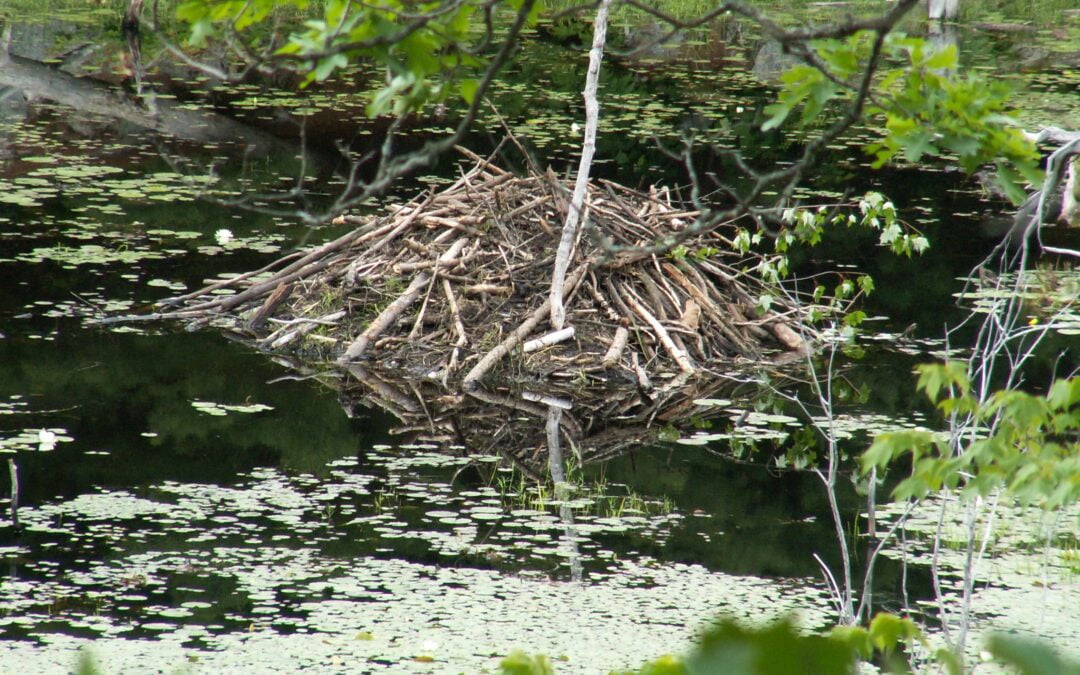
(452, 287)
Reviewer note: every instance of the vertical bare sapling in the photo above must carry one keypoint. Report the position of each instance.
(588, 146)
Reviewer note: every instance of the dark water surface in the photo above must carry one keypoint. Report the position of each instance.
(187, 503)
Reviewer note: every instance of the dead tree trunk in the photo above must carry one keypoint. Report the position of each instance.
(943, 10)
(588, 146)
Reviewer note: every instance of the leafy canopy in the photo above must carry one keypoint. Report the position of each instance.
(924, 106)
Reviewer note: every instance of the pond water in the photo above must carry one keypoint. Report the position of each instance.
(188, 504)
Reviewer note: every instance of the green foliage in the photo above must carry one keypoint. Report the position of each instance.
(520, 663)
(883, 638)
(774, 650)
(778, 649)
(1029, 656)
(87, 664)
(933, 111)
(805, 226)
(926, 108)
(1026, 445)
(425, 48)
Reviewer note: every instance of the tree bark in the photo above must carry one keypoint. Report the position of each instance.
(588, 146)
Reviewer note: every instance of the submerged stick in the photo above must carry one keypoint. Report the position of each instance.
(13, 469)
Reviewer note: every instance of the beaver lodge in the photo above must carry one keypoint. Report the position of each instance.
(438, 310)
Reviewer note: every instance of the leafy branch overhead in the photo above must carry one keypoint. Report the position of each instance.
(430, 51)
(924, 107)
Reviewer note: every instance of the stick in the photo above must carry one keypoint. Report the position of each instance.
(284, 275)
(588, 147)
(480, 161)
(614, 352)
(485, 364)
(385, 319)
(455, 316)
(450, 254)
(572, 426)
(786, 336)
(305, 327)
(548, 340)
(737, 338)
(642, 376)
(13, 470)
(480, 289)
(280, 295)
(232, 280)
(553, 401)
(661, 332)
(390, 395)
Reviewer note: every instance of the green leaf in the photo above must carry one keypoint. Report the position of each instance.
(933, 377)
(856, 637)
(774, 650)
(325, 67)
(1029, 656)
(944, 59)
(854, 318)
(665, 665)
(887, 631)
(779, 112)
(520, 663)
(468, 90)
(1064, 393)
(947, 658)
(891, 445)
(1009, 180)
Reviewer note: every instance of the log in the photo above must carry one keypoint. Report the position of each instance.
(280, 295)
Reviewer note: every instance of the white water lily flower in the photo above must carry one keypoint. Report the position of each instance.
(46, 440)
(223, 236)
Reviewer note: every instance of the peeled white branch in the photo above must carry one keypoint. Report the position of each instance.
(547, 340)
(551, 401)
(588, 147)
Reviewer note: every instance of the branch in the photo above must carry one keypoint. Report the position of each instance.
(588, 146)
